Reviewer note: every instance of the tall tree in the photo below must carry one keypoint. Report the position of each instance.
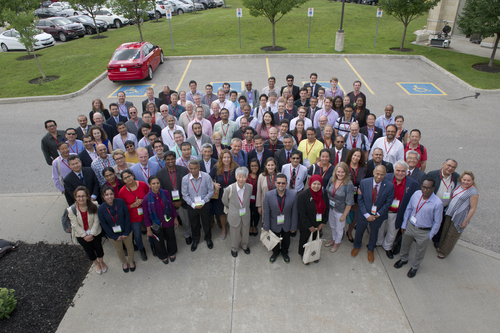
(135, 10)
(406, 11)
(482, 17)
(274, 10)
(91, 6)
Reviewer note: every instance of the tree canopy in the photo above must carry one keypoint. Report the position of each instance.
(91, 6)
(135, 10)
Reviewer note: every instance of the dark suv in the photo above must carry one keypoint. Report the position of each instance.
(61, 28)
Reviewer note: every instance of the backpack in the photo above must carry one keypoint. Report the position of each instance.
(66, 223)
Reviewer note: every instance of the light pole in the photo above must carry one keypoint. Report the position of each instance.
(339, 37)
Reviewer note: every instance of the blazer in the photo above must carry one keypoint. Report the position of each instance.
(77, 229)
(255, 96)
(383, 202)
(166, 182)
(308, 84)
(418, 175)
(85, 158)
(157, 101)
(295, 92)
(131, 128)
(319, 135)
(271, 210)
(307, 210)
(110, 132)
(49, 146)
(287, 116)
(265, 155)
(436, 176)
(280, 156)
(233, 204)
(112, 122)
(410, 187)
(79, 132)
(154, 128)
(71, 182)
(213, 162)
(122, 219)
(370, 166)
(345, 151)
(377, 134)
(164, 98)
(204, 139)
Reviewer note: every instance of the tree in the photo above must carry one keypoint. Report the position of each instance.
(91, 6)
(274, 10)
(134, 10)
(406, 11)
(482, 17)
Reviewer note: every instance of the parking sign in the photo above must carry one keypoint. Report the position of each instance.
(169, 14)
(239, 12)
(379, 12)
(310, 12)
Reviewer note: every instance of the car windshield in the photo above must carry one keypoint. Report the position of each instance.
(85, 19)
(61, 21)
(130, 54)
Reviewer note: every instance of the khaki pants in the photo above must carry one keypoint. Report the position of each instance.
(239, 236)
(118, 245)
(422, 239)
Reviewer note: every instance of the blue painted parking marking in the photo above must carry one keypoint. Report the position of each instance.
(420, 88)
(237, 86)
(136, 90)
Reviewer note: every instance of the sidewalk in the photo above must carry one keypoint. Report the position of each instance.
(462, 44)
(210, 291)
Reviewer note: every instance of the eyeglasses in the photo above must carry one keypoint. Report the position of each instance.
(71, 133)
(108, 175)
(127, 177)
(119, 158)
(129, 146)
(295, 158)
(280, 183)
(426, 188)
(81, 197)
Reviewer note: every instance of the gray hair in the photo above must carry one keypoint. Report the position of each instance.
(412, 152)
(235, 140)
(171, 116)
(207, 145)
(272, 93)
(450, 159)
(194, 162)
(401, 163)
(178, 132)
(241, 171)
(189, 103)
(163, 107)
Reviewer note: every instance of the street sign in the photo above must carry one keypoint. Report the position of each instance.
(239, 12)
(169, 14)
(379, 12)
(310, 12)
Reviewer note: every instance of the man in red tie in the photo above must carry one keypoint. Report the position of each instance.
(339, 152)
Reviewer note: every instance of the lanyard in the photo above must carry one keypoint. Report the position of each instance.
(145, 175)
(164, 123)
(72, 150)
(116, 216)
(272, 183)
(174, 182)
(370, 136)
(388, 123)
(385, 146)
(456, 194)
(224, 176)
(271, 145)
(350, 138)
(334, 189)
(419, 208)
(321, 173)
(227, 129)
(261, 155)
(133, 192)
(196, 190)
(66, 164)
(354, 174)
(282, 202)
(241, 199)
(158, 197)
(326, 144)
(298, 140)
(451, 179)
(159, 163)
(308, 151)
(323, 110)
(174, 110)
(347, 129)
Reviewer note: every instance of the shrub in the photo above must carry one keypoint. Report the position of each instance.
(8, 302)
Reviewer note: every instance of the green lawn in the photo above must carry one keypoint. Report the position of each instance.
(215, 31)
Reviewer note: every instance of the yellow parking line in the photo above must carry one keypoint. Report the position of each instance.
(183, 75)
(359, 76)
(114, 92)
(268, 70)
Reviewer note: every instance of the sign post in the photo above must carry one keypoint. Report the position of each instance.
(379, 15)
(169, 18)
(310, 12)
(239, 14)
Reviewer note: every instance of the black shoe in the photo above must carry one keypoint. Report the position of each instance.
(436, 245)
(144, 232)
(189, 240)
(247, 250)
(273, 258)
(400, 263)
(349, 238)
(316, 261)
(144, 257)
(210, 244)
(389, 254)
(194, 246)
(153, 249)
(173, 259)
(286, 258)
(293, 234)
(165, 261)
(412, 272)
(133, 268)
(234, 253)
(136, 248)
(125, 269)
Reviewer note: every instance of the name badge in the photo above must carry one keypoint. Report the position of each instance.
(319, 217)
(242, 211)
(395, 203)
(224, 141)
(175, 195)
(446, 196)
(413, 220)
(307, 163)
(374, 210)
(281, 219)
(197, 201)
(252, 197)
(117, 228)
(355, 189)
(166, 217)
(139, 211)
(332, 203)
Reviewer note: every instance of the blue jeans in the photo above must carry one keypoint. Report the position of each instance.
(136, 228)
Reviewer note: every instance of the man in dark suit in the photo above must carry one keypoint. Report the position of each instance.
(377, 156)
(260, 153)
(370, 130)
(151, 99)
(207, 162)
(108, 129)
(83, 127)
(280, 215)
(79, 177)
(412, 158)
(314, 86)
(171, 181)
(295, 91)
(164, 95)
(88, 154)
(51, 140)
(252, 95)
(376, 197)
(115, 117)
(123, 105)
(338, 153)
(283, 155)
(404, 187)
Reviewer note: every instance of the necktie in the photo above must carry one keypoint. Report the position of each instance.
(80, 175)
(287, 157)
(313, 86)
(375, 192)
(337, 158)
(354, 144)
(409, 173)
(292, 182)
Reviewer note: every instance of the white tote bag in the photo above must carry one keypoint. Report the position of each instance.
(312, 249)
(269, 239)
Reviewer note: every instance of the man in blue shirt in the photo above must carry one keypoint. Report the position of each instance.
(239, 155)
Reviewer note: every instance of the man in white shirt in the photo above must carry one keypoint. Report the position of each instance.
(302, 115)
(296, 173)
(326, 111)
(392, 148)
(167, 134)
(247, 111)
(122, 136)
(386, 119)
(271, 87)
(272, 104)
(225, 103)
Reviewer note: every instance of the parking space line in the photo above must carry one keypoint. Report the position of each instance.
(268, 70)
(138, 90)
(183, 75)
(359, 76)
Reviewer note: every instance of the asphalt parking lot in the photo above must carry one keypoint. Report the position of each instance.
(437, 105)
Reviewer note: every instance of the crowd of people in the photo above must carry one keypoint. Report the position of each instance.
(288, 159)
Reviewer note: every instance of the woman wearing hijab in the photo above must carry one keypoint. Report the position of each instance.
(313, 215)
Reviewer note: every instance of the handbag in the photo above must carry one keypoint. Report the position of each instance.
(215, 196)
(312, 249)
(269, 239)
(350, 217)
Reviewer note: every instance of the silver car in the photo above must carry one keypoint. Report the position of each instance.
(9, 40)
(180, 7)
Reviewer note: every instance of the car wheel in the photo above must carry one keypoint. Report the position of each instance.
(157, 15)
(89, 31)
(62, 37)
(161, 57)
(205, 6)
(180, 11)
(75, 14)
(118, 24)
(6, 49)
(150, 73)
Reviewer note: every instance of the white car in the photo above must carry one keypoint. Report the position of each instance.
(61, 5)
(197, 5)
(9, 40)
(105, 14)
(162, 7)
(180, 7)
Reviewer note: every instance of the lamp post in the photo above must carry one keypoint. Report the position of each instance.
(339, 37)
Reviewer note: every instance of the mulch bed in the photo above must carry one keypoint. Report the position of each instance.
(28, 57)
(271, 48)
(45, 278)
(484, 68)
(39, 80)
(99, 37)
(401, 50)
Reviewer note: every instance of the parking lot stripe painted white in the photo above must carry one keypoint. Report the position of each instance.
(359, 76)
(183, 75)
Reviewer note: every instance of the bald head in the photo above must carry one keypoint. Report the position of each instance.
(379, 173)
(102, 151)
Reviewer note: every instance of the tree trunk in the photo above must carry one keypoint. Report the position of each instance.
(154, 7)
(139, 26)
(95, 25)
(404, 35)
(274, 39)
(38, 64)
(490, 64)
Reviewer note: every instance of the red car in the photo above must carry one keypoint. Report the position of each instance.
(134, 61)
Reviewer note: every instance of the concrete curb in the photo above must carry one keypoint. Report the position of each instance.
(454, 78)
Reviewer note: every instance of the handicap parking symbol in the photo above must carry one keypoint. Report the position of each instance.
(420, 88)
(136, 90)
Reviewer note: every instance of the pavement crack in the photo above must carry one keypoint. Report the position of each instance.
(232, 300)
